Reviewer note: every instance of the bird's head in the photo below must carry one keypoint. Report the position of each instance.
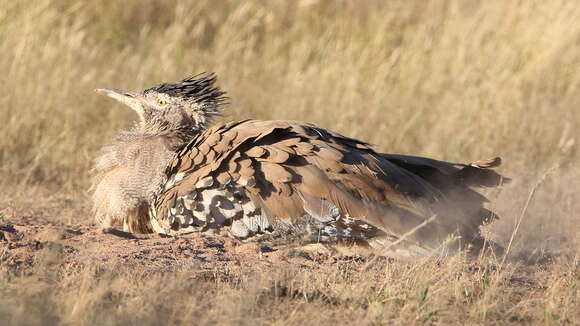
(187, 106)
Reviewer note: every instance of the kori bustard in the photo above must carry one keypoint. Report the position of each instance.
(176, 173)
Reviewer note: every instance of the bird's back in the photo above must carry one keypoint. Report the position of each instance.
(253, 177)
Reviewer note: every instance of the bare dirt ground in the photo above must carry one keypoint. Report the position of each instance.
(27, 240)
(59, 230)
(29, 235)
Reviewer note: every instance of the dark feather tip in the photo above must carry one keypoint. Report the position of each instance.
(199, 88)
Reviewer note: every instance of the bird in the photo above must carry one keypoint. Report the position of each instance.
(178, 172)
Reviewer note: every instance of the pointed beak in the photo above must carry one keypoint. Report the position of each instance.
(131, 99)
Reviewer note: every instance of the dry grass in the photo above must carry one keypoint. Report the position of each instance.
(391, 293)
(456, 80)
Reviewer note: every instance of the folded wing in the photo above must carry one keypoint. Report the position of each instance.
(249, 176)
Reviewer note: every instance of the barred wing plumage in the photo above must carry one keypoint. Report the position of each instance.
(249, 177)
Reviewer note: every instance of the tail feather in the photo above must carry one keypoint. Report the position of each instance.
(459, 183)
(488, 163)
(481, 174)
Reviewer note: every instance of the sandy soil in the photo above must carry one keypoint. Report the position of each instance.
(25, 241)
(60, 229)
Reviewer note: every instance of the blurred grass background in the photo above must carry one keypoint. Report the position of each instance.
(458, 80)
(454, 80)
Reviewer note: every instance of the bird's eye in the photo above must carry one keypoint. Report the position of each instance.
(161, 102)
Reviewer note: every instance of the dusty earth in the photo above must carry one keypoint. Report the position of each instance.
(58, 231)
(61, 233)
(23, 242)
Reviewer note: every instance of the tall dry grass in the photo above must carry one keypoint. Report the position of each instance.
(455, 80)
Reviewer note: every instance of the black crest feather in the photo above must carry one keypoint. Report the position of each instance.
(199, 88)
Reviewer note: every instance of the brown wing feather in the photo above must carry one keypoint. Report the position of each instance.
(283, 166)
